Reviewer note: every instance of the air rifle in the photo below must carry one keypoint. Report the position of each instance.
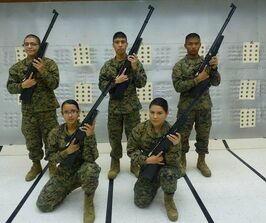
(117, 92)
(195, 91)
(79, 135)
(150, 171)
(26, 94)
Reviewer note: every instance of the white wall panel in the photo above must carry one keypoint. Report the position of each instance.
(94, 23)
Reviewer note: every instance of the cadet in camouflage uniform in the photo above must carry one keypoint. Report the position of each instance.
(125, 111)
(84, 171)
(142, 139)
(38, 117)
(184, 80)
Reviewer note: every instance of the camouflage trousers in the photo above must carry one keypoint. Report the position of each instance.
(115, 130)
(203, 122)
(145, 190)
(35, 128)
(64, 181)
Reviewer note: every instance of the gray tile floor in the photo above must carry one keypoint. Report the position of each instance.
(234, 193)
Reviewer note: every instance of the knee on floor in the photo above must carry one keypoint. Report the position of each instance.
(44, 207)
(141, 203)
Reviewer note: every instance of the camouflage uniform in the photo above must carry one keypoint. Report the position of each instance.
(141, 141)
(183, 80)
(125, 111)
(39, 117)
(84, 172)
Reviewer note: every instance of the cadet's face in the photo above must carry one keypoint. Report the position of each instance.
(157, 115)
(120, 45)
(192, 45)
(70, 113)
(31, 46)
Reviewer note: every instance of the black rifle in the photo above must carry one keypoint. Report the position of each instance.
(150, 171)
(117, 92)
(79, 135)
(27, 92)
(195, 91)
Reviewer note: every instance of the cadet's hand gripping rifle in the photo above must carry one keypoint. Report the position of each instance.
(195, 91)
(150, 171)
(27, 92)
(117, 92)
(79, 135)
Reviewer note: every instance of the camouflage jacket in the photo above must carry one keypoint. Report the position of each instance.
(43, 98)
(137, 79)
(57, 139)
(183, 80)
(143, 138)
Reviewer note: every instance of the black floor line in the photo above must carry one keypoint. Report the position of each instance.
(23, 200)
(109, 206)
(250, 167)
(199, 201)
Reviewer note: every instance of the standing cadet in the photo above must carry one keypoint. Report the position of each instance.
(122, 112)
(84, 172)
(142, 139)
(184, 80)
(38, 117)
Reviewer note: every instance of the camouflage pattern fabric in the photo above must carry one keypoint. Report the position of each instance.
(202, 120)
(137, 79)
(61, 184)
(183, 77)
(141, 141)
(35, 128)
(115, 130)
(39, 117)
(43, 98)
(85, 171)
(57, 141)
(145, 190)
(183, 80)
(124, 112)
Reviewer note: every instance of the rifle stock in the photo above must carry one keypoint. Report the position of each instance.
(26, 94)
(117, 92)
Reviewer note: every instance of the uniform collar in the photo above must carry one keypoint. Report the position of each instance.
(119, 61)
(65, 127)
(193, 61)
(153, 134)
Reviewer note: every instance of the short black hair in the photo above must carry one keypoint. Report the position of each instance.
(119, 35)
(33, 36)
(70, 101)
(160, 102)
(192, 35)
